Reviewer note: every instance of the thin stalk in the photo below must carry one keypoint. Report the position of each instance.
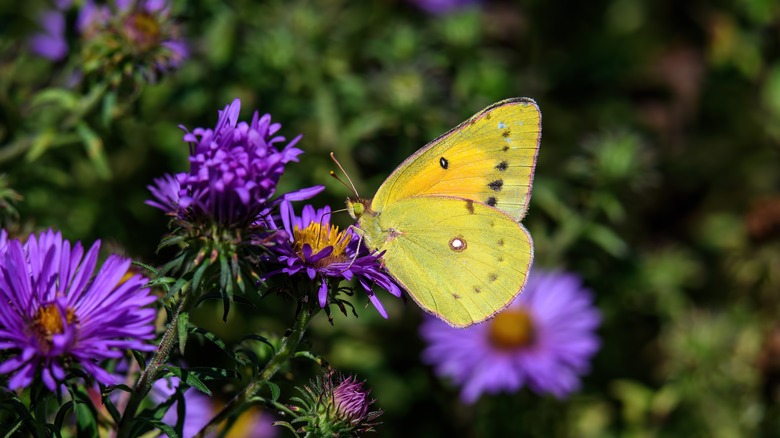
(145, 382)
(287, 349)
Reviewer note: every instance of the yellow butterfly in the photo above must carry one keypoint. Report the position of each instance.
(448, 217)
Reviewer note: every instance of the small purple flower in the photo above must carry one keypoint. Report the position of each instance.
(441, 7)
(544, 339)
(334, 405)
(234, 169)
(351, 400)
(320, 251)
(57, 315)
(50, 42)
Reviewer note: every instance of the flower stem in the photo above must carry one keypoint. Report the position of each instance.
(287, 349)
(146, 380)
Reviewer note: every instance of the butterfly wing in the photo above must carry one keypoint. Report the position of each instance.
(460, 260)
(489, 158)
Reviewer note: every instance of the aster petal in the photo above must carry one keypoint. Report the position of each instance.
(322, 295)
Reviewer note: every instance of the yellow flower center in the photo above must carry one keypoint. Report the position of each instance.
(143, 29)
(511, 329)
(320, 237)
(48, 322)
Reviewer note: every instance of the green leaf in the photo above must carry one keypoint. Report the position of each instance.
(86, 420)
(182, 324)
(607, 239)
(262, 339)
(109, 105)
(139, 358)
(40, 144)
(275, 391)
(196, 278)
(215, 340)
(93, 145)
(61, 97)
(11, 431)
(188, 378)
(162, 427)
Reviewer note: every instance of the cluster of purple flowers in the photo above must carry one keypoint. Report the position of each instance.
(234, 169)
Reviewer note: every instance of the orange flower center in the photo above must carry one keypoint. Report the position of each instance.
(320, 237)
(511, 329)
(143, 29)
(48, 322)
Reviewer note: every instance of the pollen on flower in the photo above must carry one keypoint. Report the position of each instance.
(512, 329)
(319, 237)
(48, 322)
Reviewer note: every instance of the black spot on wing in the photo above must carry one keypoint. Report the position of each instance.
(492, 277)
(444, 163)
(456, 296)
(496, 185)
(505, 148)
(491, 201)
(500, 242)
(477, 289)
(502, 166)
(506, 133)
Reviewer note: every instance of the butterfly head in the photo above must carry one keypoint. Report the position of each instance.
(358, 207)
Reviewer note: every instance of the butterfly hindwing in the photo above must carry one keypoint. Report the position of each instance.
(460, 260)
(489, 158)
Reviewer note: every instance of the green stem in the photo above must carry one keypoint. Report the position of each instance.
(145, 382)
(287, 349)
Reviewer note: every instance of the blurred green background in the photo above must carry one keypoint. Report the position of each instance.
(658, 181)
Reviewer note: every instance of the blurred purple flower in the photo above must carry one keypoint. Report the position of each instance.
(141, 30)
(57, 315)
(440, 7)
(544, 339)
(318, 249)
(200, 408)
(234, 169)
(50, 41)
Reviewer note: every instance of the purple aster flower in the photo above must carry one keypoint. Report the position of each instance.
(234, 169)
(50, 42)
(119, 35)
(57, 315)
(544, 339)
(440, 7)
(320, 251)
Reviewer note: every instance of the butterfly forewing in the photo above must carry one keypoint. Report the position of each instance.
(489, 159)
(460, 260)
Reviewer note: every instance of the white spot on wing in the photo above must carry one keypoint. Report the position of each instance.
(501, 125)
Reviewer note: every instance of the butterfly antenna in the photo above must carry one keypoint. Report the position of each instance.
(322, 218)
(333, 174)
(360, 242)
